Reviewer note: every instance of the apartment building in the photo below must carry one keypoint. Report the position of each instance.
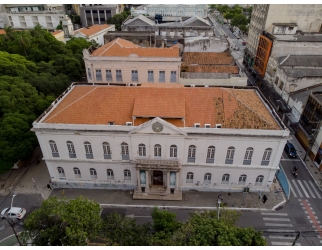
(97, 13)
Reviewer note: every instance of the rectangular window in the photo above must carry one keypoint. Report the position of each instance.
(89, 73)
(161, 76)
(173, 76)
(109, 75)
(119, 75)
(98, 75)
(150, 76)
(135, 77)
(189, 178)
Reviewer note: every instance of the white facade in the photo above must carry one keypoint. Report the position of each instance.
(190, 158)
(97, 36)
(29, 15)
(177, 10)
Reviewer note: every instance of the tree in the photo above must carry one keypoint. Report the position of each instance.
(60, 26)
(239, 20)
(60, 221)
(123, 231)
(164, 221)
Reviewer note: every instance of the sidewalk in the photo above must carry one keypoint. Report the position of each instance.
(310, 165)
(191, 199)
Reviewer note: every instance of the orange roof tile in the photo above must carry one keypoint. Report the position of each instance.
(91, 30)
(56, 32)
(2, 32)
(121, 47)
(92, 104)
(211, 69)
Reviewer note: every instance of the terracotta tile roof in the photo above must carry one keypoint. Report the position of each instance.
(210, 69)
(100, 104)
(91, 30)
(54, 33)
(2, 32)
(163, 85)
(121, 47)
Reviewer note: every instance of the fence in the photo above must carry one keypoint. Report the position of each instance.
(282, 179)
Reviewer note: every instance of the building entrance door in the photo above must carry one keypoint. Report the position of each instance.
(157, 178)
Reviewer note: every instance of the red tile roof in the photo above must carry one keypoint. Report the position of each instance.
(91, 30)
(121, 47)
(100, 104)
(56, 32)
(2, 32)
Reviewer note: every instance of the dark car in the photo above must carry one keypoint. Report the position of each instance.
(290, 150)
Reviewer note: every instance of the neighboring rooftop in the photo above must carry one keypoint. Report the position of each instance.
(300, 60)
(302, 95)
(91, 30)
(121, 47)
(303, 72)
(299, 38)
(97, 104)
(56, 32)
(2, 32)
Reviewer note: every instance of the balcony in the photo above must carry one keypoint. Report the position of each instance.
(89, 156)
(125, 157)
(210, 160)
(107, 157)
(247, 162)
(55, 154)
(229, 161)
(264, 163)
(191, 160)
(72, 155)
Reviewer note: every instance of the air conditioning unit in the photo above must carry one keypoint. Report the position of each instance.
(196, 125)
(110, 123)
(218, 125)
(128, 123)
(207, 125)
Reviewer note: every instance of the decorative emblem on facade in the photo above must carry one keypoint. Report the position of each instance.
(157, 127)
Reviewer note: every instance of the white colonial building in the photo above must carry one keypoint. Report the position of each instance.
(161, 139)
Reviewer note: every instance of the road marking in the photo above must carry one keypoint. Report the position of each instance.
(317, 192)
(277, 219)
(281, 214)
(280, 230)
(275, 243)
(278, 225)
(281, 237)
(292, 190)
(134, 216)
(308, 188)
(300, 183)
(297, 188)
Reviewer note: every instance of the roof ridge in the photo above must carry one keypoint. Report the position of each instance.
(262, 118)
(117, 41)
(113, 42)
(72, 103)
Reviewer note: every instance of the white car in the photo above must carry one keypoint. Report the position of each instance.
(14, 213)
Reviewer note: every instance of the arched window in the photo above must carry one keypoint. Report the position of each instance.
(106, 150)
(230, 155)
(71, 149)
(77, 173)
(266, 156)
(110, 174)
(142, 151)
(242, 179)
(248, 156)
(125, 151)
(88, 150)
(192, 153)
(93, 173)
(127, 174)
(189, 177)
(157, 150)
(61, 172)
(211, 154)
(259, 180)
(173, 151)
(225, 179)
(207, 178)
(54, 149)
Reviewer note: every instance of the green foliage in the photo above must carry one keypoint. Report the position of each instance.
(5, 165)
(164, 221)
(118, 19)
(60, 26)
(60, 221)
(223, 8)
(239, 20)
(123, 231)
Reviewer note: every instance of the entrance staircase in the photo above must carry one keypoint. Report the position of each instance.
(157, 192)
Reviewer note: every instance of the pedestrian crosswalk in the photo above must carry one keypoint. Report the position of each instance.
(304, 189)
(279, 234)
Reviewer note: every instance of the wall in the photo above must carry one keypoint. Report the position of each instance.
(29, 21)
(205, 45)
(178, 10)
(306, 16)
(283, 48)
(142, 39)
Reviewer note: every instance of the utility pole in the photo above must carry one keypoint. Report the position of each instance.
(12, 225)
(297, 236)
(219, 201)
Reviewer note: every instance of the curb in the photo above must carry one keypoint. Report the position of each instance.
(188, 208)
(307, 169)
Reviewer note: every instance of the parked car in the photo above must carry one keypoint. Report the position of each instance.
(290, 150)
(244, 43)
(14, 212)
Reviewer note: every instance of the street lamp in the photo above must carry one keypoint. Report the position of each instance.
(13, 196)
(219, 201)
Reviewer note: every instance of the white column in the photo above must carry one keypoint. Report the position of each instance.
(99, 17)
(139, 190)
(177, 181)
(168, 182)
(92, 17)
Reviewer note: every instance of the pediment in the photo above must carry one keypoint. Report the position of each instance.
(158, 126)
(198, 23)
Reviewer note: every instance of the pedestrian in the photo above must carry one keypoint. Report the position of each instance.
(219, 197)
(49, 187)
